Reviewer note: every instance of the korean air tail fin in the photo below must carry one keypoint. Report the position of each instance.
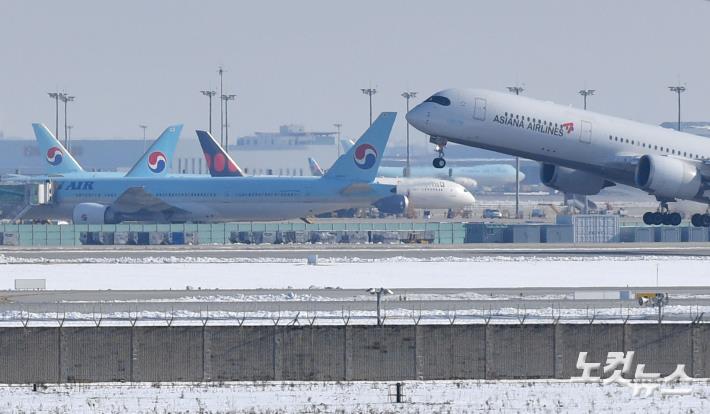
(218, 161)
(316, 170)
(156, 160)
(55, 158)
(361, 161)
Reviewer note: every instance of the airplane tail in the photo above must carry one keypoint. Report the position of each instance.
(57, 160)
(218, 161)
(361, 161)
(316, 170)
(156, 160)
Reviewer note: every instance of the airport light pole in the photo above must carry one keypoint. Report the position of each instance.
(144, 127)
(221, 107)
(678, 89)
(226, 99)
(379, 292)
(65, 98)
(337, 144)
(408, 95)
(209, 94)
(55, 96)
(69, 128)
(517, 90)
(369, 92)
(585, 93)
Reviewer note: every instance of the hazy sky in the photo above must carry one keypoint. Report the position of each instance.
(132, 62)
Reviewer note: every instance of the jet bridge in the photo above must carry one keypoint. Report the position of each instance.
(16, 198)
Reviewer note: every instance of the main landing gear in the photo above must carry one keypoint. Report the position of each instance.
(662, 216)
(439, 162)
(700, 220)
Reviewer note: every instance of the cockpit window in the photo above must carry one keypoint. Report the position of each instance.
(441, 100)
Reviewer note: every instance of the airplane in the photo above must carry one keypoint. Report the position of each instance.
(486, 175)
(221, 164)
(176, 198)
(423, 193)
(58, 162)
(581, 152)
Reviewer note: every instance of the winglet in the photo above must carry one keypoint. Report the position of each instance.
(218, 161)
(56, 159)
(361, 161)
(156, 161)
(316, 170)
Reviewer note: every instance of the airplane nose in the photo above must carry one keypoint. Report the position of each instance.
(414, 117)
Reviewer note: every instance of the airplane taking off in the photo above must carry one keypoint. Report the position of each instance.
(177, 198)
(422, 193)
(581, 152)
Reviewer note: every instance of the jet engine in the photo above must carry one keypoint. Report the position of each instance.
(93, 213)
(667, 177)
(569, 180)
(396, 204)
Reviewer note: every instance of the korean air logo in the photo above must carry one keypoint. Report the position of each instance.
(568, 127)
(157, 162)
(365, 156)
(54, 156)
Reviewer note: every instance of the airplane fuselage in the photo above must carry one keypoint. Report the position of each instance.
(543, 131)
(210, 199)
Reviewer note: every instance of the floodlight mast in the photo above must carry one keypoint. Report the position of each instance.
(408, 95)
(369, 92)
(678, 89)
(517, 90)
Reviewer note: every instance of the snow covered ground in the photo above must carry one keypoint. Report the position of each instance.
(351, 397)
(394, 272)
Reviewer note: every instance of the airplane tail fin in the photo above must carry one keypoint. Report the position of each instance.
(157, 159)
(316, 170)
(346, 144)
(361, 161)
(218, 161)
(57, 160)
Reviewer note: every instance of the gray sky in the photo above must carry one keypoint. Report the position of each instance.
(132, 62)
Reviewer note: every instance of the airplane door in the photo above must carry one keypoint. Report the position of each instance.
(479, 109)
(585, 133)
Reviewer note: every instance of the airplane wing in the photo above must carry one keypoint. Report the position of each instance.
(137, 199)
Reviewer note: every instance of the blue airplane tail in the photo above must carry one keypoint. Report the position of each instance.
(218, 161)
(157, 159)
(316, 170)
(56, 159)
(361, 161)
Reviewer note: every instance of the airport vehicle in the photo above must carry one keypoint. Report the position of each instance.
(581, 152)
(492, 213)
(350, 183)
(423, 193)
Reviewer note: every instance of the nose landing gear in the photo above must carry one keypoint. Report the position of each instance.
(440, 143)
(662, 216)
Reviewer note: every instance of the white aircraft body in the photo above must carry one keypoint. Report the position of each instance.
(422, 193)
(581, 152)
(486, 175)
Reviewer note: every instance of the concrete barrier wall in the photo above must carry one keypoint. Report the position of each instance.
(336, 353)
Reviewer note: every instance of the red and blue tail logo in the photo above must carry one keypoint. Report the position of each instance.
(157, 162)
(54, 156)
(365, 156)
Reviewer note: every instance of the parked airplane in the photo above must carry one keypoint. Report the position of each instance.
(221, 164)
(487, 175)
(350, 183)
(423, 193)
(59, 162)
(581, 152)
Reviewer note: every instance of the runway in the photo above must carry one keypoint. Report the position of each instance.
(301, 251)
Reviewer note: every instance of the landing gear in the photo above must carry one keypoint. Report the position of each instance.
(440, 143)
(700, 220)
(662, 216)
